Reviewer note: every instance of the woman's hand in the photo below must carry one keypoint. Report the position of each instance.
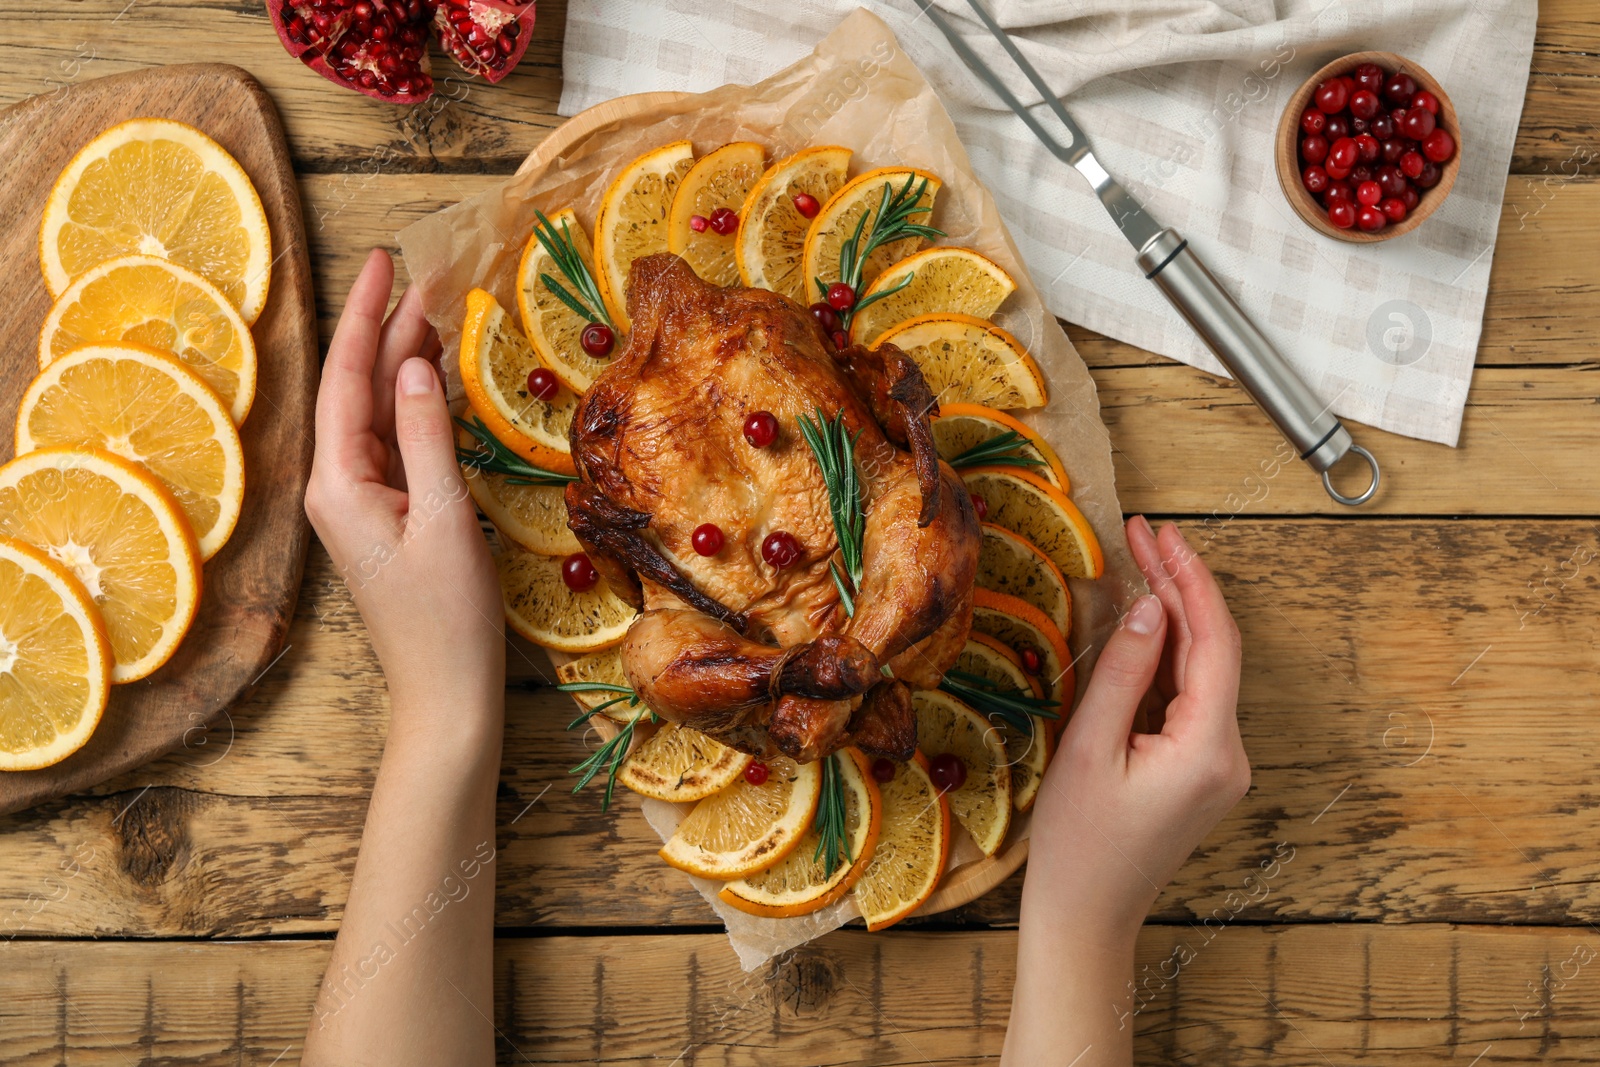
(388, 502)
(1120, 811)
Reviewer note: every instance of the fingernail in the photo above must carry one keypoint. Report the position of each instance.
(1144, 524)
(1145, 615)
(416, 378)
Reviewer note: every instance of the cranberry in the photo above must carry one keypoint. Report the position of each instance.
(1367, 148)
(947, 771)
(597, 339)
(1371, 219)
(1394, 208)
(1430, 175)
(1370, 76)
(542, 385)
(882, 770)
(1424, 99)
(1360, 173)
(1399, 89)
(1410, 197)
(578, 574)
(761, 429)
(1398, 117)
(1438, 146)
(1390, 180)
(1315, 179)
(1312, 120)
(1031, 661)
(980, 505)
(1337, 173)
(1331, 96)
(707, 539)
(1343, 153)
(1392, 149)
(1365, 104)
(724, 220)
(1337, 127)
(1381, 127)
(780, 549)
(1411, 163)
(1418, 124)
(807, 205)
(826, 317)
(1314, 149)
(1338, 191)
(1349, 84)
(1342, 214)
(841, 297)
(1358, 127)
(698, 223)
(841, 340)
(756, 772)
(1368, 194)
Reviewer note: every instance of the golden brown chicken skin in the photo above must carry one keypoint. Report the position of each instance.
(760, 657)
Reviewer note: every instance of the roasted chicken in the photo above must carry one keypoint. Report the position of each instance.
(766, 658)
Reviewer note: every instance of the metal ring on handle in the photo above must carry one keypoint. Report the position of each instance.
(1354, 501)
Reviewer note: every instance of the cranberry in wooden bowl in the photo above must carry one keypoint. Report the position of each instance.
(1368, 147)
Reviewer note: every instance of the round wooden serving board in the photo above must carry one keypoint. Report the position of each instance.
(251, 585)
(971, 880)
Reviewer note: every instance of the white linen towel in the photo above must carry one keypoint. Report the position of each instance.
(1181, 100)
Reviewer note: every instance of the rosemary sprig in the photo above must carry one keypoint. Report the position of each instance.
(892, 222)
(832, 849)
(558, 244)
(1009, 449)
(835, 451)
(609, 756)
(495, 458)
(984, 695)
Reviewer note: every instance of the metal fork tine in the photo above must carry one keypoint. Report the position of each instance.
(1028, 69)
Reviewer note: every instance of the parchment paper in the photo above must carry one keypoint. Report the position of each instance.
(858, 90)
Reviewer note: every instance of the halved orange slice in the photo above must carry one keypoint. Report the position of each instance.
(632, 221)
(982, 802)
(1012, 565)
(534, 517)
(747, 828)
(495, 363)
(554, 328)
(770, 249)
(681, 764)
(950, 280)
(913, 845)
(837, 222)
(1031, 507)
(604, 666)
(968, 360)
(540, 607)
(1027, 751)
(713, 190)
(971, 435)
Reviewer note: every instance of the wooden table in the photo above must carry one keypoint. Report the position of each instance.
(1418, 704)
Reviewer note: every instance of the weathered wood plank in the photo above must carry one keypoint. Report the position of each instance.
(1389, 667)
(1249, 995)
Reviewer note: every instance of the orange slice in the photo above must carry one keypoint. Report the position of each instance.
(681, 764)
(160, 188)
(968, 360)
(540, 607)
(982, 802)
(124, 538)
(913, 845)
(55, 660)
(534, 517)
(1027, 751)
(837, 221)
(1031, 507)
(554, 329)
(950, 280)
(633, 219)
(495, 363)
(603, 666)
(144, 406)
(147, 301)
(770, 249)
(800, 883)
(718, 182)
(963, 427)
(747, 828)
(1022, 626)
(1012, 565)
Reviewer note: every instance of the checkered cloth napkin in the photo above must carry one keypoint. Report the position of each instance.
(1182, 101)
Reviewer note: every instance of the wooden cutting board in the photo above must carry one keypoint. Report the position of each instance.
(251, 585)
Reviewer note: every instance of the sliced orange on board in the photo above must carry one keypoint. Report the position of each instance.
(705, 218)
(680, 764)
(633, 217)
(1031, 507)
(941, 279)
(982, 802)
(965, 433)
(861, 198)
(913, 844)
(747, 828)
(970, 361)
(770, 251)
(540, 607)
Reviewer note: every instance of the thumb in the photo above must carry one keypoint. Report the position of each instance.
(1121, 677)
(424, 432)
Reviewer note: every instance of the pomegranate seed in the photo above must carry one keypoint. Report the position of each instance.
(707, 539)
(1370, 76)
(1331, 96)
(542, 385)
(1411, 163)
(578, 573)
(807, 205)
(1312, 120)
(882, 770)
(1343, 153)
(1424, 99)
(1342, 214)
(1336, 128)
(1365, 104)
(1381, 127)
(980, 505)
(841, 297)
(1315, 179)
(1418, 124)
(947, 771)
(1369, 193)
(724, 220)
(1314, 149)
(1368, 148)
(826, 317)
(1371, 220)
(597, 339)
(756, 772)
(841, 340)
(1430, 175)
(1439, 146)
(1399, 89)
(698, 223)
(1394, 209)
(780, 549)
(761, 429)
(1031, 661)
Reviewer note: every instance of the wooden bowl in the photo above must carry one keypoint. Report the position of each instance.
(1288, 149)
